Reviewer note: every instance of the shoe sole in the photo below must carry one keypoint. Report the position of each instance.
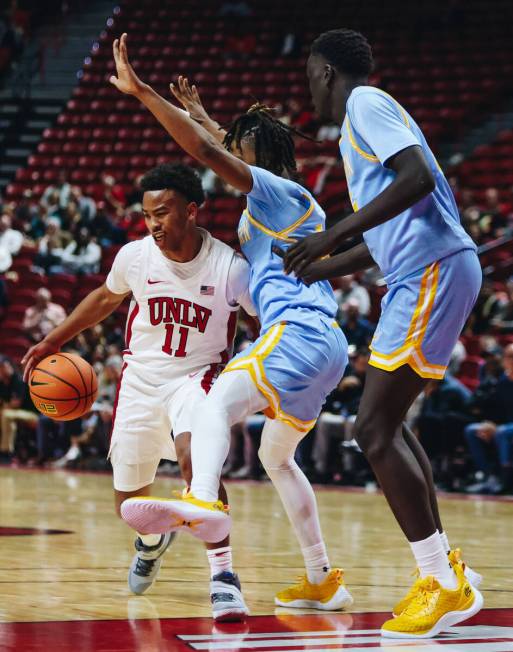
(231, 616)
(341, 600)
(158, 516)
(447, 620)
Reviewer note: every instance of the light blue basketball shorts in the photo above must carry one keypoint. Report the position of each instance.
(423, 315)
(295, 367)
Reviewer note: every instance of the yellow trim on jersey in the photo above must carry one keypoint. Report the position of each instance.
(411, 351)
(254, 365)
(282, 235)
(401, 110)
(370, 157)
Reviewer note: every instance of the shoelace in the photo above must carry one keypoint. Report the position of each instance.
(424, 589)
(144, 566)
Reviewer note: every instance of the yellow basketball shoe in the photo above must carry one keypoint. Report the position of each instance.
(329, 595)
(206, 521)
(434, 608)
(454, 558)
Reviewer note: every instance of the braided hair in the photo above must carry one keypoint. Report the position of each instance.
(274, 145)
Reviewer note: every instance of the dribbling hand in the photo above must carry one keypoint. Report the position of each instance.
(35, 354)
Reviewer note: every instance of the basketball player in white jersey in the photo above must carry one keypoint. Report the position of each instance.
(186, 289)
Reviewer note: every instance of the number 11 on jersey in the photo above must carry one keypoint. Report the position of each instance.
(183, 332)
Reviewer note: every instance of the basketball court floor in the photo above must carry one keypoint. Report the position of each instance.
(64, 560)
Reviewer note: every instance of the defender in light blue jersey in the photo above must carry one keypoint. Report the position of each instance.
(287, 373)
(406, 214)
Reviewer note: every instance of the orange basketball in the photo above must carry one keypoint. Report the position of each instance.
(63, 386)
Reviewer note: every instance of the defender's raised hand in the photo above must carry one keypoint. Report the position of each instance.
(189, 97)
(126, 81)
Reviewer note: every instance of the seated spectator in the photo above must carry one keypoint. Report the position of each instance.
(358, 331)
(109, 378)
(86, 205)
(82, 255)
(15, 407)
(441, 422)
(43, 316)
(328, 132)
(57, 195)
(50, 247)
(347, 288)
(493, 433)
(487, 307)
(113, 195)
(89, 436)
(338, 415)
(10, 239)
(502, 322)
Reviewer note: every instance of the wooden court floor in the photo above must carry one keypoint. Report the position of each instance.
(80, 574)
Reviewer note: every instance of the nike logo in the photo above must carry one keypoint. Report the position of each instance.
(153, 282)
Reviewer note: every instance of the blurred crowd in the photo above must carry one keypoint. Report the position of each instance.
(464, 421)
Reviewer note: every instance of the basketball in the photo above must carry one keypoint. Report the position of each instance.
(63, 386)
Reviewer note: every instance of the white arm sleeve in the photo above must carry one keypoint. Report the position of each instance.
(237, 287)
(118, 280)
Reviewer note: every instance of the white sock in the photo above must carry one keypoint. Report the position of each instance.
(317, 563)
(445, 542)
(220, 559)
(233, 397)
(278, 445)
(149, 540)
(432, 559)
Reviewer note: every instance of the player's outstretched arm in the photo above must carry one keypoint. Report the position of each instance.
(189, 97)
(413, 181)
(90, 311)
(351, 261)
(192, 137)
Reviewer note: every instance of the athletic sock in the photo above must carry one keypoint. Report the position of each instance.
(220, 559)
(445, 542)
(432, 560)
(316, 563)
(150, 540)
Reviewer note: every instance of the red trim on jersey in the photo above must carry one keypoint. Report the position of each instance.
(129, 322)
(115, 406)
(215, 369)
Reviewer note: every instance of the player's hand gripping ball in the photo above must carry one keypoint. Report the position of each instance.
(63, 386)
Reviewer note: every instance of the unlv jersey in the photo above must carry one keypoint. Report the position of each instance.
(181, 318)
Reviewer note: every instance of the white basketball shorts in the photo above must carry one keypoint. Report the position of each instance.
(145, 416)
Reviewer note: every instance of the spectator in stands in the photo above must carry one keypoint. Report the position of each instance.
(338, 415)
(487, 307)
(10, 239)
(109, 378)
(86, 206)
(347, 288)
(358, 331)
(89, 434)
(82, 255)
(16, 407)
(57, 195)
(50, 247)
(43, 316)
(114, 196)
(502, 322)
(441, 422)
(493, 404)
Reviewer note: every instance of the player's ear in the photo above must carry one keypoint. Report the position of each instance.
(329, 74)
(192, 211)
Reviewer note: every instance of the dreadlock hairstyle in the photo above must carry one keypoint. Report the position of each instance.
(274, 145)
(348, 51)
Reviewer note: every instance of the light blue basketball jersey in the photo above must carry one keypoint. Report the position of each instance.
(375, 128)
(278, 211)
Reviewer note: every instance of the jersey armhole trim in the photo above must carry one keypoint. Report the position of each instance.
(282, 235)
